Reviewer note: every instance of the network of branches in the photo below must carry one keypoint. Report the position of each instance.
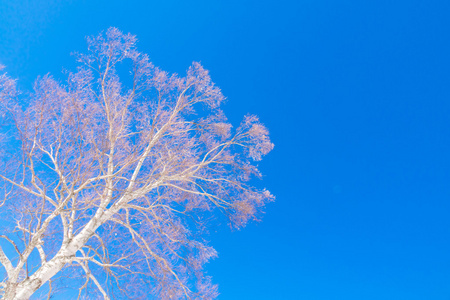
(108, 179)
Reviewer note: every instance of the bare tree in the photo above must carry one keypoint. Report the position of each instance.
(109, 178)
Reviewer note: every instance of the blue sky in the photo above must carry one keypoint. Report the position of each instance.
(356, 97)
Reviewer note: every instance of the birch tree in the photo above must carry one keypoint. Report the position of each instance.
(109, 179)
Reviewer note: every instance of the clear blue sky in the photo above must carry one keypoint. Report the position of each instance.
(356, 97)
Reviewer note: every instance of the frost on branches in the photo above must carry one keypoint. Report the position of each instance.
(107, 179)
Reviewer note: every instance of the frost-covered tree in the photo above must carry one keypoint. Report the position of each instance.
(108, 179)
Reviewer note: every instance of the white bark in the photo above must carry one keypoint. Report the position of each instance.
(117, 155)
(66, 254)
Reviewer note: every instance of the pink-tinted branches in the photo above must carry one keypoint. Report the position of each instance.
(116, 172)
